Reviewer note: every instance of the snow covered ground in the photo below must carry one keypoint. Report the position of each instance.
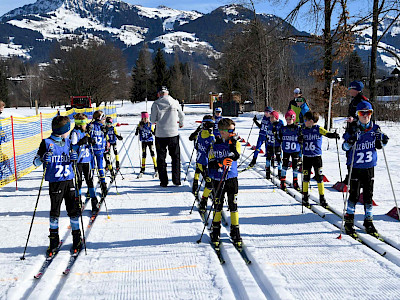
(147, 247)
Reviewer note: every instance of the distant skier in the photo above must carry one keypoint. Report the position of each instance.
(289, 137)
(111, 137)
(57, 154)
(204, 140)
(145, 130)
(217, 118)
(361, 140)
(224, 154)
(262, 135)
(97, 132)
(299, 106)
(81, 143)
(312, 155)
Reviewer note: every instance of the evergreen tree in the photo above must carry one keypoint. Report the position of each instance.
(160, 71)
(3, 87)
(142, 85)
(177, 88)
(354, 68)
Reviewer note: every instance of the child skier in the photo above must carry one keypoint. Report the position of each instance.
(55, 152)
(205, 139)
(111, 137)
(362, 139)
(289, 137)
(223, 157)
(262, 135)
(145, 130)
(312, 152)
(97, 132)
(217, 118)
(81, 144)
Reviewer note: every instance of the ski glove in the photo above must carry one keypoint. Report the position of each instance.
(119, 137)
(227, 162)
(333, 135)
(255, 119)
(47, 157)
(73, 156)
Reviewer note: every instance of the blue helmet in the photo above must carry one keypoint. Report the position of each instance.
(364, 105)
(218, 109)
(356, 85)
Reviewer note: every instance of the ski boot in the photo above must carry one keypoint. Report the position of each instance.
(296, 184)
(370, 228)
(103, 186)
(54, 241)
(349, 225)
(113, 174)
(215, 233)
(141, 173)
(203, 205)
(283, 183)
(95, 203)
(322, 201)
(195, 186)
(305, 200)
(76, 241)
(267, 173)
(235, 236)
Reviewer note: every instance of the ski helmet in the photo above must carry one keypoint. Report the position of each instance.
(109, 120)
(208, 122)
(218, 109)
(290, 114)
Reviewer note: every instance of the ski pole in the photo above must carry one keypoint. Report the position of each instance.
(187, 170)
(246, 159)
(338, 158)
(244, 149)
(127, 154)
(213, 204)
(34, 213)
(391, 183)
(78, 196)
(347, 192)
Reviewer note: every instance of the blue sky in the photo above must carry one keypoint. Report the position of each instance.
(205, 6)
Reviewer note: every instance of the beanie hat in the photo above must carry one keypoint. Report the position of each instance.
(268, 109)
(364, 105)
(61, 130)
(145, 114)
(109, 120)
(275, 114)
(356, 85)
(290, 113)
(297, 91)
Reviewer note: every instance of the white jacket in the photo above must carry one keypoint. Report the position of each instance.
(165, 112)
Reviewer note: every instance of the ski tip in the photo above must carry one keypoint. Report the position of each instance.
(339, 237)
(22, 258)
(37, 276)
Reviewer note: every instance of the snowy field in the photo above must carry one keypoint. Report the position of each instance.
(147, 247)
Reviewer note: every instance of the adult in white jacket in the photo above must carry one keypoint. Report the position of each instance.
(166, 112)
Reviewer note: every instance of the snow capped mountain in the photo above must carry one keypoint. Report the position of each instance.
(390, 41)
(31, 31)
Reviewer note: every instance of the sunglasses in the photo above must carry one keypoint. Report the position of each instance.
(362, 113)
(228, 130)
(299, 99)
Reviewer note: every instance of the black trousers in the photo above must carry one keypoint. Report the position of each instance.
(231, 188)
(63, 190)
(362, 178)
(312, 162)
(172, 144)
(295, 160)
(274, 154)
(84, 169)
(151, 149)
